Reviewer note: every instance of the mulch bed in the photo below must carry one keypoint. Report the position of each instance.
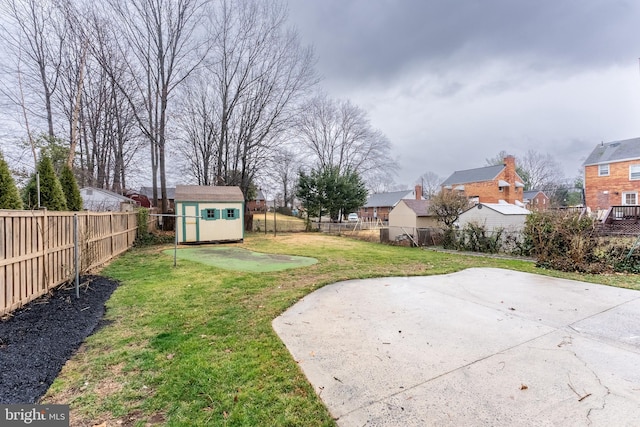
(38, 339)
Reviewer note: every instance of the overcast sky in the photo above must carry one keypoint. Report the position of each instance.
(452, 83)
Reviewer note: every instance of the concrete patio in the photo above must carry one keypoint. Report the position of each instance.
(480, 347)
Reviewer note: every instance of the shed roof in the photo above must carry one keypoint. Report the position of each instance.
(388, 199)
(504, 208)
(208, 193)
(486, 173)
(419, 207)
(615, 151)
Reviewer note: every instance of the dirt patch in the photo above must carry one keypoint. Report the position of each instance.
(37, 340)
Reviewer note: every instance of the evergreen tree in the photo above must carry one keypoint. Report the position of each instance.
(327, 191)
(70, 188)
(51, 193)
(9, 195)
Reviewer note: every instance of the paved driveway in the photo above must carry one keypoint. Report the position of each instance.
(482, 347)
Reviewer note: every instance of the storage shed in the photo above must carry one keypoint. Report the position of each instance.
(209, 214)
(495, 215)
(409, 216)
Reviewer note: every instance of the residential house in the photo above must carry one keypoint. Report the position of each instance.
(378, 206)
(209, 213)
(535, 200)
(411, 217)
(612, 175)
(259, 204)
(489, 184)
(171, 196)
(100, 200)
(494, 216)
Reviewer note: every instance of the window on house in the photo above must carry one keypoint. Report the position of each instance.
(603, 170)
(634, 172)
(501, 189)
(231, 213)
(630, 198)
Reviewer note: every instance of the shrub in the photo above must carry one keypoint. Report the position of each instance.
(142, 216)
(9, 195)
(70, 188)
(475, 237)
(563, 241)
(51, 194)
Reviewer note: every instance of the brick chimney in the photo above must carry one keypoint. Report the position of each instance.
(418, 192)
(510, 169)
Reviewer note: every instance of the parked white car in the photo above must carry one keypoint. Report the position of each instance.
(353, 217)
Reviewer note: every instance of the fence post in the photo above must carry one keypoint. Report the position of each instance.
(45, 245)
(76, 253)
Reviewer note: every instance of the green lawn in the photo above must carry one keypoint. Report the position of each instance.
(193, 345)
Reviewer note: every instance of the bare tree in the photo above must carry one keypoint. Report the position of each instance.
(498, 159)
(338, 133)
(447, 206)
(160, 39)
(257, 72)
(35, 34)
(430, 182)
(540, 171)
(284, 168)
(200, 131)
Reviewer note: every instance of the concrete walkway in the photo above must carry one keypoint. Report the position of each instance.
(482, 347)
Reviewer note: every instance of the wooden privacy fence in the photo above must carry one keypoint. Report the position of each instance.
(37, 249)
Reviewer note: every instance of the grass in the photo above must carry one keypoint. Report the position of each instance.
(193, 345)
(283, 223)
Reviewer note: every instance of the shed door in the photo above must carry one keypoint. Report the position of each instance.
(190, 222)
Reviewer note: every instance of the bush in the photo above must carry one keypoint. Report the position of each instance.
(563, 241)
(475, 237)
(142, 216)
(70, 188)
(9, 195)
(51, 194)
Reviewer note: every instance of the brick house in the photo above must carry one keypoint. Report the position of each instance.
(378, 206)
(489, 184)
(612, 175)
(535, 200)
(259, 204)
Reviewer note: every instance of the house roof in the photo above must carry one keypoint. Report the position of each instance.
(148, 191)
(107, 193)
(208, 193)
(487, 173)
(615, 151)
(504, 208)
(419, 207)
(388, 199)
(531, 194)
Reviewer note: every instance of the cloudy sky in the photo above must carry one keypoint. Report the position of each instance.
(452, 83)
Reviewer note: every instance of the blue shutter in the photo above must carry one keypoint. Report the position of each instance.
(216, 214)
